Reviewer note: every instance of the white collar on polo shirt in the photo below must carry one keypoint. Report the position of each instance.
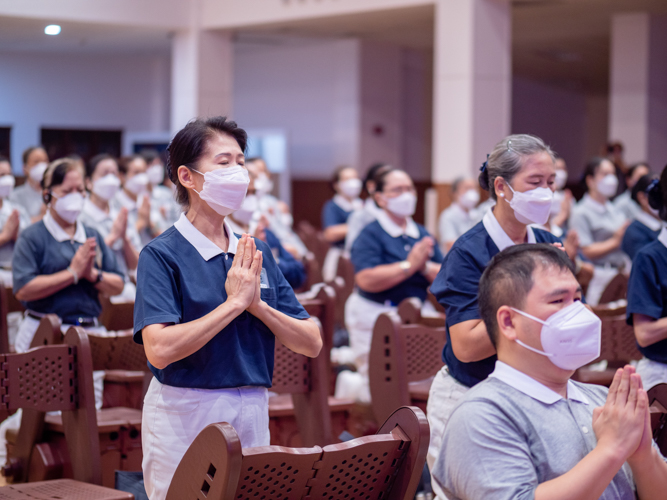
(59, 233)
(648, 220)
(394, 230)
(346, 204)
(95, 212)
(498, 234)
(531, 387)
(662, 237)
(206, 248)
(595, 205)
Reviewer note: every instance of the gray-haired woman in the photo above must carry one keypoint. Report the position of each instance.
(520, 174)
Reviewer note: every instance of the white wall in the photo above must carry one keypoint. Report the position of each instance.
(128, 92)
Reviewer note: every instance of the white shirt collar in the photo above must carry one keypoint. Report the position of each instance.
(595, 205)
(648, 220)
(531, 387)
(206, 248)
(346, 204)
(95, 212)
(371, 207)
(662, 237)
(394, 230)
(498, 234)
(59, 233)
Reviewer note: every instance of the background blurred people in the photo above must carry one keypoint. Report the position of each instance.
(562, 203)
(624, 202)
(165, 211)
(458, 218)
(13, 220)
(135, 196)
(29, 195)
(646, 224)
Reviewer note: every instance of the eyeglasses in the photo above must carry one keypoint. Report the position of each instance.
(398, 190)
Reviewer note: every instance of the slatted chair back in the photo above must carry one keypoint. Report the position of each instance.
(387, 465)
(8, 304)
(618, 344)
(118, 316)
(401, 354)
(345, 285)
(53, 378)
(617, 289)
(657, 397)
(410, 312)
(117, 350)
(306, 379)
(48, 332)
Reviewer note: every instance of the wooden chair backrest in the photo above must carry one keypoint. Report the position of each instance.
(619, 345)
(314, 241)
(617, 289)
(8, 304)
(307, 380)
(117, 351)
(116, 317)
(320, 302)
(387, 465)
(657, 396)
(345, 279)
(52, 378)
(410, 312)
(313, 271)
(401, 354)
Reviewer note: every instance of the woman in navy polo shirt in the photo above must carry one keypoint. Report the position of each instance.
(394, 258)
(647, 224)
(520, 175)
(209, 307)
(336, 211)
(647, 295)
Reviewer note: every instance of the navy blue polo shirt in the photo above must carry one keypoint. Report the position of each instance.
(636, 237)
(37, 253)
(292, 269)
(375, 247)
(456, 287)
(332, 215)
(176, 284)
(647, 292)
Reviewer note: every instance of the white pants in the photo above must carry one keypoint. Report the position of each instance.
(443, 397)
(174, 416)
(652, 372)
(602, 276)
(330, 264)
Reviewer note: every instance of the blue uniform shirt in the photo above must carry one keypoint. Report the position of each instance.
(638, 235)
(181, 277)
(336, 211)
(44, 248)
(383, 242)
(647, 290)
(457, 285)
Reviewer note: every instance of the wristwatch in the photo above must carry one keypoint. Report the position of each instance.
(405, 266)
(99, 276)
(73, 273)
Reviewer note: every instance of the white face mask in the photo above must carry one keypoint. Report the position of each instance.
(350, 188)
(37, 172)
(608, 185)
(469, 199)
(286, 219)
(106, 187)
(263, 185)
(137, 184)
(561, 179)
(69, 206)
(155, 174)
(225, 188)
(403, 205)
(571, 337)
(556, 202)
(248, 208)
(531, 207)
(7, 183)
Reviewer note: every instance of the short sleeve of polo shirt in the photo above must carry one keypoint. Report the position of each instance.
(644, 293)
(25, 266)
(579, 222)
(457, 285)
(331, 215)
(367, 249)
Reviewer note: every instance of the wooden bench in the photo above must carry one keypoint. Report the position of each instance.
(387, 465)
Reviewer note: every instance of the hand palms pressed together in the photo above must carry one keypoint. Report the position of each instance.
(243, 278)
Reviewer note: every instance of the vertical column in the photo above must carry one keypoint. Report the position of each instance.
(472, 87)
(201, 75)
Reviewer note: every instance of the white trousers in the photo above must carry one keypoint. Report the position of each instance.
(443, 397)
(602, 276)
(652, 372)
(330, 264)
(174, 416)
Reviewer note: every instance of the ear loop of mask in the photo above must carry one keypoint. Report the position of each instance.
(522, 344)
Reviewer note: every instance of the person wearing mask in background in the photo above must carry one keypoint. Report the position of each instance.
(562, 203)
(135, 197)
(394, 258)
(210, 307)
(13, 220)
(647, 294)
(528, 431)
(165, 211)
(519, 174)
(347, 186)
(359, 219)
(103, 182)
(248, 220)
(624, 201)
(614, 153)
(646, 225)
(600, 226)
(29, 194)
(458, 219)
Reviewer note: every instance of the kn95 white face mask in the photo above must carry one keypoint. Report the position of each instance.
(531, 207)
(224, 188)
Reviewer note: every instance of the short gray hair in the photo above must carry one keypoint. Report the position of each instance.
(507, 159)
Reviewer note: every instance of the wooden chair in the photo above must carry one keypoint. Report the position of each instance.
(8, 304)
(410, 312)
(657, 398)
(314, 241)
(344, 286)
(313, 272)
(403, 360)
(54, 378)
(618, 347)
(320, 302)
(116, 317)
(616, 289)
(387, 465)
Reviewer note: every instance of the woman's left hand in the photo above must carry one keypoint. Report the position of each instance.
(257, 299)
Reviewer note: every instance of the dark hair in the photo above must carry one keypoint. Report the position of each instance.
(508, 279)
(3, 159)
(336, 174)
(635, 166)
(124, 162)
(381, 178)
(96, 160)
(373, 170)
(189, 143)
(641, 185)
(591, 169)
(29, 151)
(657, 195)
(56, 172)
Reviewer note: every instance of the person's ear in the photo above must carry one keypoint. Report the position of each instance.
(499, 187)
(506, 325)
(186, 177)
(379, 199)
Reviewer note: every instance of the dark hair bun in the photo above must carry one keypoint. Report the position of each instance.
(483, 178)
(655, 197)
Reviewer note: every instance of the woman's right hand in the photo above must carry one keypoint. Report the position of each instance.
(83, 258)
(421, 252)
(242, 276)
(118, 228)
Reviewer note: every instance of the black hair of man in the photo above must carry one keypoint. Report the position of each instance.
(641, 186)
(508, 279)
